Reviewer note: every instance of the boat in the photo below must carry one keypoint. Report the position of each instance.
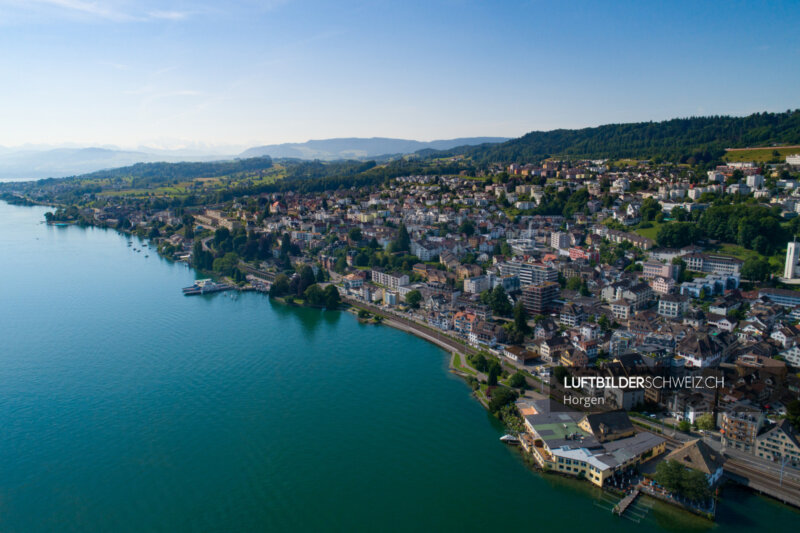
(206, 286)
(509, 439)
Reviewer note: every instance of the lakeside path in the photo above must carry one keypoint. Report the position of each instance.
(409, 326)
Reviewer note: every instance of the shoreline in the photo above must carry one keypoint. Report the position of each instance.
(450, 345)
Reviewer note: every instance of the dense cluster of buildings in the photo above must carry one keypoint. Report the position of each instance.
(595, 290)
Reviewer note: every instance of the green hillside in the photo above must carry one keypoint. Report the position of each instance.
(684, 140)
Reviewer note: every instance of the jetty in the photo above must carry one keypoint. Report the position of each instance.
(626, 502)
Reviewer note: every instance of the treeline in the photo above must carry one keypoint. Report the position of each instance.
(344, 175)
(694, 140)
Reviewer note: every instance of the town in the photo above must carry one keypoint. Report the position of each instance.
(533, 272)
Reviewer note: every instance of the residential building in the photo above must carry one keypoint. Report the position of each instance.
(663, 285)
(539, 298)
(559, 240)
(392, 281)
(476, 285)
(740, 425)
(672, 305)
(621, 309)
(779, 442)
(518, 354)
(697, 455)
(656, 269)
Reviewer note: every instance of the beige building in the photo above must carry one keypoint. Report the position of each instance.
(779, 442)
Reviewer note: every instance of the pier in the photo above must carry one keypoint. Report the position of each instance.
(626, 502)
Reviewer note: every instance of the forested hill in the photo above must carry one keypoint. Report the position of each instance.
(155, 173)
(701, 138)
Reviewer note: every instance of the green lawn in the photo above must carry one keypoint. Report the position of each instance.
(650, 233)
(759, 155)
(459, 366)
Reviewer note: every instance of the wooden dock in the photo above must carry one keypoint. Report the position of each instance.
(626, 502)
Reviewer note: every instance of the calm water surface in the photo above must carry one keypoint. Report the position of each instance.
(125, 406)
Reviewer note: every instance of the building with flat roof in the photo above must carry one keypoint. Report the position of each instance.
(540, 297)
(557, 441)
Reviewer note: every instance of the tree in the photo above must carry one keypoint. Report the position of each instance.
(560, 373)
(793, 413)
(467, 227)
(705, 421)
(201, 259)
(220, 236)
(332, 298)
(225, 265)
(314, 295)
(478, 362)
(492, 373)
(694, 485)
(574, 284)
(521, 318)
(501, 397)
(280, 287)
(684, 426)
(354, 234)
(307, 279)
(650, 209)
(518, 380)
(402, 242)
(756, 268)
(413, 298)
(499, 301)
(669, 475)
(677, 234)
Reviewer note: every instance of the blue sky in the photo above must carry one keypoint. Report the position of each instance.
(197, 73)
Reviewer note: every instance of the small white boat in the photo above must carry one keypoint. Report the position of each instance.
(510, 439)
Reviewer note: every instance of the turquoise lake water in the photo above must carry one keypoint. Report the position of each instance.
(126, 406)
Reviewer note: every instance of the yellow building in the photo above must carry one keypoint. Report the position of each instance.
(557, 442)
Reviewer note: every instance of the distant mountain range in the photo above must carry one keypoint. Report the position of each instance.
(694, 140)
(359, 148)
(59, 162)
(18, 164)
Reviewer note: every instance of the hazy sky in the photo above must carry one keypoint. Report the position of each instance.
(250, 72)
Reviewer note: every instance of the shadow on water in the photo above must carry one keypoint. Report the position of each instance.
(310, 318)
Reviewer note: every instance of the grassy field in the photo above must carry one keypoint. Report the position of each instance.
(650, 233)
(759, 155)
(626, 162)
